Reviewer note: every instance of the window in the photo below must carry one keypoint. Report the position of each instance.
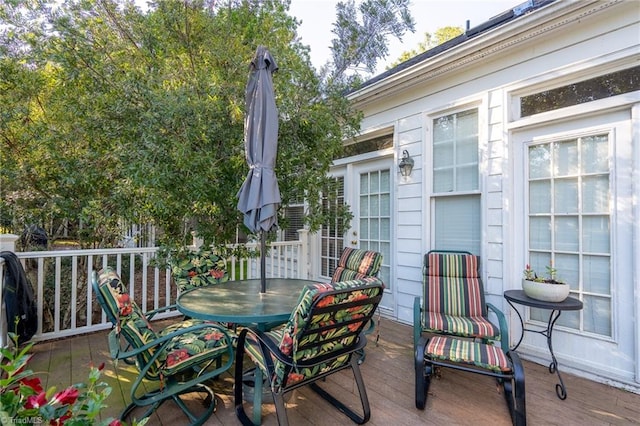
(601, 87)
(332, 240)
(294, 219)
(569, 224)
(456, 196)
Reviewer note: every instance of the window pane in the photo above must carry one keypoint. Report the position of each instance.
(596, 271)
(375, 183)
(569, 319)
(374, 204)
(566, 233)
(364, 229)
(566, 196)
(568, 269)
(443, 154)
(457, 223)
(597, 315)
(385, 181)
(565, 158)
(374, 229)
(595, 194)
(443, 180)
(467, 150)
(364, 205)
(364, 184)
(540, 233)
(539, 262)
(596, 234)
(385, 205)
(595, 154)
(539, 162)
(539, 200)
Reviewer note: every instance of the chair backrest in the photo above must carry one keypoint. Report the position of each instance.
(355, 264)
(452, 284)
(127, 318)
(197, 269)
(325, 325)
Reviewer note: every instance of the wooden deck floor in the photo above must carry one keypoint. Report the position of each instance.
(455, 399)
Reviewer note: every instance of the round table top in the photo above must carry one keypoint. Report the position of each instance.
(241, 302)
(519, 297)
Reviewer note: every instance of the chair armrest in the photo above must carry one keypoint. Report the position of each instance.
(151, 314)
(417, 322)
(504, 328)
(161, 342)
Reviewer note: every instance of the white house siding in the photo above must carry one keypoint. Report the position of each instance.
(560, 43)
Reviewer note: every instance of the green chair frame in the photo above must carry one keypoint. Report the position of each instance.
(322, 337)
(454, 310)
(180, 358)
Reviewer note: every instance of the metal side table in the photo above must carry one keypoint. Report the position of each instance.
(556, 308)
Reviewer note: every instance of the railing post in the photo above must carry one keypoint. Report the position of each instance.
(7, 243)
(303, 267)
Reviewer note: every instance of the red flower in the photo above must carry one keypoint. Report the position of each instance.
(36, 401)
(33, 383)
(216, 273)
(66, 397)
(326, 301)
(176, 357)
(115, 422)
(294, 378)
(214, 335)
(192, 274)
(124, 303)
(287, 344)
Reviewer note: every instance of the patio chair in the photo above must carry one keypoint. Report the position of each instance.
(355, 264)
(322, 335)
(180, 358)
(198, 268)
(458, 333)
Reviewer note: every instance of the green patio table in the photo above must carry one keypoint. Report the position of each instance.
(240, 302)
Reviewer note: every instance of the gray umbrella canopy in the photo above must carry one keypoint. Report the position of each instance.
(259, 196)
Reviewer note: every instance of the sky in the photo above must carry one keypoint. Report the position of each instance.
(318, 16)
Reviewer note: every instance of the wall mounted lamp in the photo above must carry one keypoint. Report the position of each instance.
(406, 164)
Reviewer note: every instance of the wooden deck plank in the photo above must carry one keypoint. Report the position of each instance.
(455, 398)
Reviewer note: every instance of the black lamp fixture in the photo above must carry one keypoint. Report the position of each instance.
(406, 164)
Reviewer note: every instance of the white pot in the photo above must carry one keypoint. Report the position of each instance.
(545, 291)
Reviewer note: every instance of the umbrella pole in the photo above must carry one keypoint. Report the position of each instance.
(263, 273)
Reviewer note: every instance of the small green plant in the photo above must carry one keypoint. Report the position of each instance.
(551, 278)
(23, 399)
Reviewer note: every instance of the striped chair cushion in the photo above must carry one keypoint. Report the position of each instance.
(355, 264)
(183, 351)
(454, 298)
(462, 351)
(461, 326)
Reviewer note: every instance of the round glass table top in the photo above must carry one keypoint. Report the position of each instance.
(241, 301)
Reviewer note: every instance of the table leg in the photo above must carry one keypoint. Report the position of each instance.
(522, 329)
(257, 396)
(561, 390)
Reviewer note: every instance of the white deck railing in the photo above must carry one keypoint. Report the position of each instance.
(67, 306)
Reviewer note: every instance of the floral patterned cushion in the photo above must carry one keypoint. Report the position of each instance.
(181, 352)
(298, 339)
(197, 269)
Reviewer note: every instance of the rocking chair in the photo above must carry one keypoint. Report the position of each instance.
(181, 358)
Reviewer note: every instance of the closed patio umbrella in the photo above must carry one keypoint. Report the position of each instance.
(259, 196)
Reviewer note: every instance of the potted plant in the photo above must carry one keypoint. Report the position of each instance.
(547, 289)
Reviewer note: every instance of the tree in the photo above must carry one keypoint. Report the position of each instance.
(116, 115)
(430, 41)
(362, 34)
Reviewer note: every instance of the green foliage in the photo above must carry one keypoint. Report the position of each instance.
(430, 41)
(362, 32)
(114, 115)
(23, 400)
